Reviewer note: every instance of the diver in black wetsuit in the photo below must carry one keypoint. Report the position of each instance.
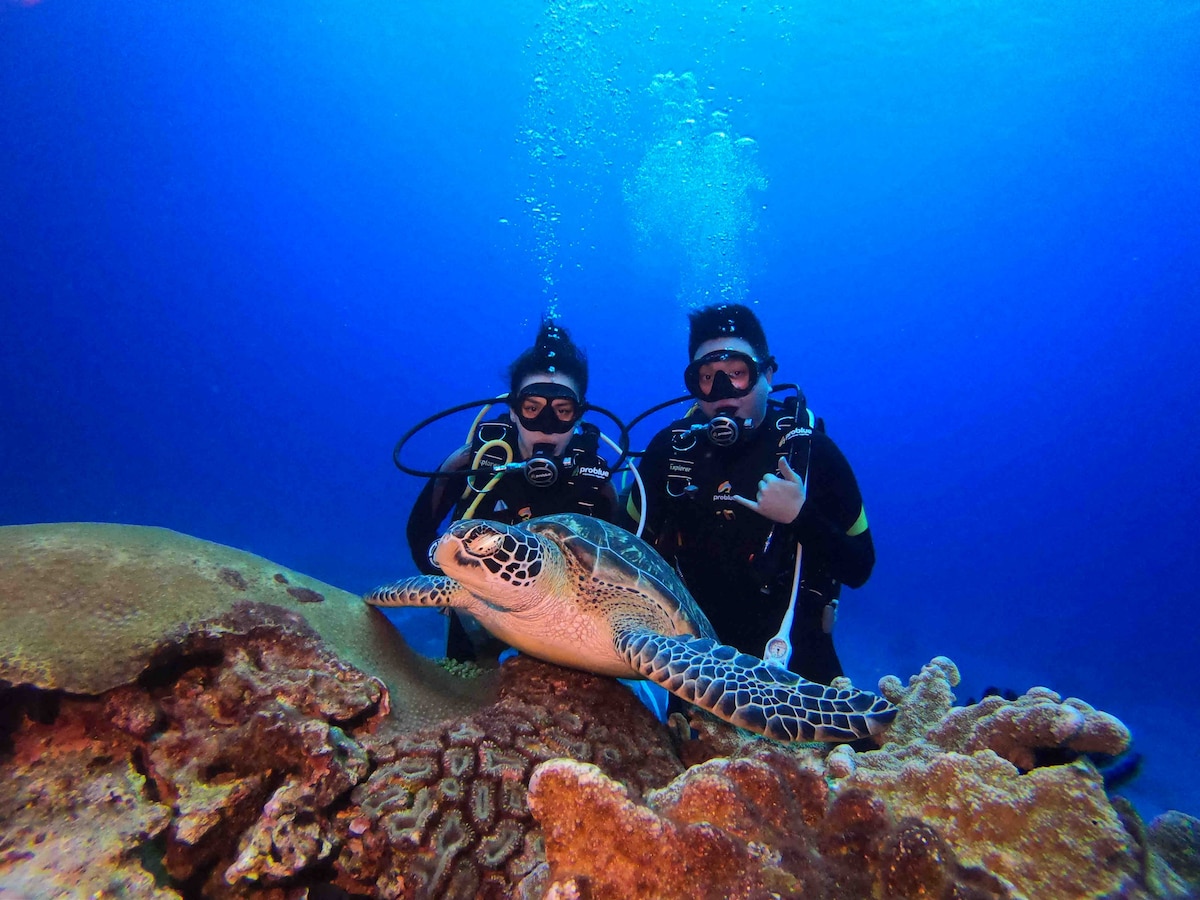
(745, 494)
(564, 470)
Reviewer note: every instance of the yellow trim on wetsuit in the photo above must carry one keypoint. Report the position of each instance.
(631, 507)
(860, 525)
(488, 445)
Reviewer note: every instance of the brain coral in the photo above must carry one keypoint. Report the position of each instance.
(87, 607)
(445, 815)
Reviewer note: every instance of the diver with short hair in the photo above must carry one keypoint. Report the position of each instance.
(753, 504)
(538, 458)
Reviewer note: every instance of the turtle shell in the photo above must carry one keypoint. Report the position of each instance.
(617, 557)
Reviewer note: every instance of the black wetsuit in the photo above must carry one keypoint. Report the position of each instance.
(583, 487)
(742, 582)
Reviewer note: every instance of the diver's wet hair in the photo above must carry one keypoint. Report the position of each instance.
(727, 320)
(552, 351)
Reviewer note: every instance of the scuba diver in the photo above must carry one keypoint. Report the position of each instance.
(752, 503)
(537, 458)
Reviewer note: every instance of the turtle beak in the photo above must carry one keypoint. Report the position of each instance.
(447, 548)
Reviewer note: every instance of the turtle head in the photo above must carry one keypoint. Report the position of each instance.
(488, 557)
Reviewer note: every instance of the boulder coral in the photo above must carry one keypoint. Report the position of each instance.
(88, 607)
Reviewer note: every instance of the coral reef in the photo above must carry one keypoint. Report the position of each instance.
(239, 768)
(75, 815)
(973, 774)
(1175, 836)
(220, 769)
(179, 719)
(217, 717)
(1046, 829)
(87, 607)
(760, 826)
(1038, 728)
(445, 815)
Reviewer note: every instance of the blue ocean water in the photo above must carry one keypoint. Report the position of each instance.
(243, 247)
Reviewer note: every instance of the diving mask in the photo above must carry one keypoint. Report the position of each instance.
(723, 375)
(547, 408)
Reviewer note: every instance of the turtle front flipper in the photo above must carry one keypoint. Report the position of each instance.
(422, 590)
(751, 694)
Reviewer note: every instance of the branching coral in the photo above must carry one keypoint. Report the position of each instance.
(1027, 731)
(1036, 728)
(921, 705)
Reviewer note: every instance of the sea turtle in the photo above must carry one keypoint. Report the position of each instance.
(580, 592)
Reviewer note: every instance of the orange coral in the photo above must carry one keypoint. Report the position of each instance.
(761, 826)
(1049, 833)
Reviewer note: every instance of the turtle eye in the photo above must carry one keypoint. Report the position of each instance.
(482, 542)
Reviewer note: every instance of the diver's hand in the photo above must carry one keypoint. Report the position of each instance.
(780, 497)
